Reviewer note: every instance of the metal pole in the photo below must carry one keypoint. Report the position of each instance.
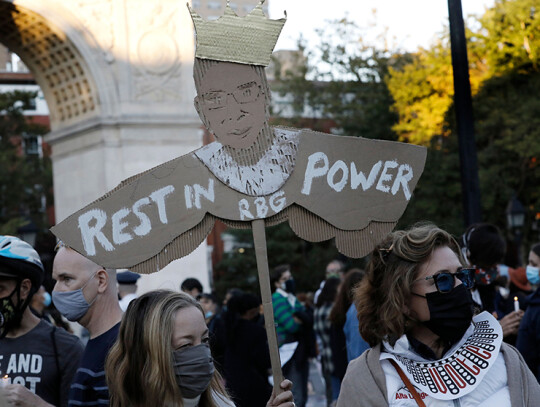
(464, 116)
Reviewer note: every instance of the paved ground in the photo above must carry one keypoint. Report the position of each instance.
(316, 388)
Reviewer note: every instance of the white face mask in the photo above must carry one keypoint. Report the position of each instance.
(533, 275)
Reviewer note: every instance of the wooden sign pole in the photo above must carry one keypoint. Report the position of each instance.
(259, 238)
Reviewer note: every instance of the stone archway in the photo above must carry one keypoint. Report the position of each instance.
(118, 83)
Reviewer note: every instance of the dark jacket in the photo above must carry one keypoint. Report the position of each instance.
(528, 340)
(338, 343)
(247, 360)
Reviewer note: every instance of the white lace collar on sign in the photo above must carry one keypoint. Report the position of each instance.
(461, 369)
(265, 177)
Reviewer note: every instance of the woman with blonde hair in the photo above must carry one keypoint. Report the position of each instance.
(428, 349)
(162, 357)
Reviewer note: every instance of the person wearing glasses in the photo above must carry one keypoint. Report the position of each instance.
(428, 347)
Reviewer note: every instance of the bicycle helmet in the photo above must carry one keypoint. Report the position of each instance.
(19, 260)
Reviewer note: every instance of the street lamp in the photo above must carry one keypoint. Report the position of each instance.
(515, 213)
(515, 218)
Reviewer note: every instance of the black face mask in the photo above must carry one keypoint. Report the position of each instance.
(10, 313)
(290, 286)
(450, 314)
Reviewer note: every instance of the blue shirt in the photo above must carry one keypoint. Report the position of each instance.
(356, 345)
(89, 387)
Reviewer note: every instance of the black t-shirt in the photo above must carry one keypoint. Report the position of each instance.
(41, 363)
(89, 387)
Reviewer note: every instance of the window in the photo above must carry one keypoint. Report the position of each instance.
(32, 144)
(31, 105)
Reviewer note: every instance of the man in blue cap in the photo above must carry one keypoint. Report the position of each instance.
(127, 287)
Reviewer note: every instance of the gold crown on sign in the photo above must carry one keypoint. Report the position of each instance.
(244, 40)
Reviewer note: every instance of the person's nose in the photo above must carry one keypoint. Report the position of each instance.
(233, 111)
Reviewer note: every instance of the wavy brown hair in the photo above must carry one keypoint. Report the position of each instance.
(139, 367)
(344, 297)
(386, 288)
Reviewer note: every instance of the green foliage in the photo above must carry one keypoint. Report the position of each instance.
(342, 80)
(368, 91)
(308, 260)
(24, 180)
(503, 58)
(422, 92)
(511, 35)
(508, 140)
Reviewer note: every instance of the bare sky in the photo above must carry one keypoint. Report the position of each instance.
(412, 22)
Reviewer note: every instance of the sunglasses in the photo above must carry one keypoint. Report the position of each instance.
(445, 281)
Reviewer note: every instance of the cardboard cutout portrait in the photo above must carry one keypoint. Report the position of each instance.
(254, 175)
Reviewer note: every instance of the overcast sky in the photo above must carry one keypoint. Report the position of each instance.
(412, 22)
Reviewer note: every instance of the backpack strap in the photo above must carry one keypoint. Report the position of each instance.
(55, 347)
(408, 383)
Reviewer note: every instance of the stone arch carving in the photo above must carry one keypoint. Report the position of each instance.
(70, 85)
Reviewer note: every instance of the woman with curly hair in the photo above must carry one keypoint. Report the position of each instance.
(162, 357)
(428, 348)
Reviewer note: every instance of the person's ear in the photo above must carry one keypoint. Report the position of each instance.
(200, 111)
(26, 287)
(103, 281)
(405, 309)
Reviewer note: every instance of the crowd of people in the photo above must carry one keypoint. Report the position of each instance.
(431, 319)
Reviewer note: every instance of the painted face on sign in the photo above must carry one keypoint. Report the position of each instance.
(231, 103)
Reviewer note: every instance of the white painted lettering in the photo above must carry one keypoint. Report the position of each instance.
(24, 363)
(145, 225)
(12, 364)
(243, 206)
(385, 176)
(119, 236)
(19, 380)
(338, 166)
(188, 195)
(89, 233)
(159, 198)
(278, 201)
(317, 166)
(33, 381)
(36, 364)
(262, 208)
(404, 175)
(207, 193)
(358, 178)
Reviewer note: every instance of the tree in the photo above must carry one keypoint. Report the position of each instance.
(307, 260)
(343, 80)
(25, 180)
(503, 54)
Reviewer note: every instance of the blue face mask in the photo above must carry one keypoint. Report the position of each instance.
(46, 299)
(72, 304)
(533, 275)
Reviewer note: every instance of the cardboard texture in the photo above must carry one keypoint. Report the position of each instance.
(250, 40)
(351, 189)
(259, 240)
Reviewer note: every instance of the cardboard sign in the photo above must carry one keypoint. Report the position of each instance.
(325, 186)
(338, 184)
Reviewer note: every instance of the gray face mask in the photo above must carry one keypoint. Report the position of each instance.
(72, 304)
(194, 369)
